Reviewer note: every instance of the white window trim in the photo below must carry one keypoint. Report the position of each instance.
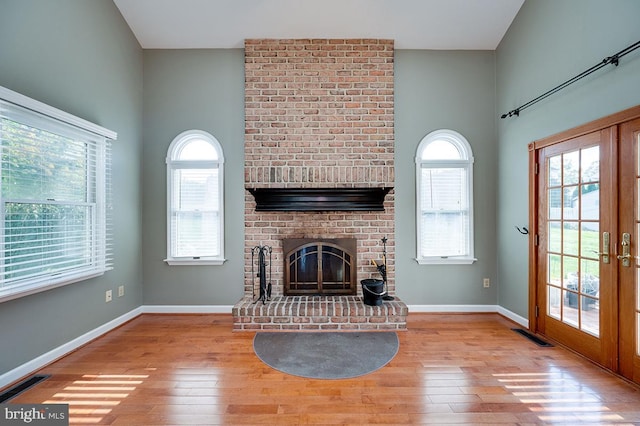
(42, 108)
(44, 284)
(189, 134)
(465, 148)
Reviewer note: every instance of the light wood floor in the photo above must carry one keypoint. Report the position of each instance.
(450, 369)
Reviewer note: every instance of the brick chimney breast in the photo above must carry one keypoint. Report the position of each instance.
(319, 113)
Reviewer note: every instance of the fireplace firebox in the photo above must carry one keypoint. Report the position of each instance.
(320, 266)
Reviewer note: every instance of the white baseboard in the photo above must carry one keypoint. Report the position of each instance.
(514, 317)
(470, 309)
(453, 308)
(187, 309)
(62, 350)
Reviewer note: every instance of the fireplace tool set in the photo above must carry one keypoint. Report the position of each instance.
(375, 290)
(265, 286)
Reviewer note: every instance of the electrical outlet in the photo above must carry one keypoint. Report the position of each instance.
(121, 291)
(108, 296)
(486, 283)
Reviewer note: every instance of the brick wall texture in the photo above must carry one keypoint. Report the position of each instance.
(319, 113)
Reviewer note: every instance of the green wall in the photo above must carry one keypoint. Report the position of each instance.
(549, 42)
(456, 91)
(183, 90)
(78, 56)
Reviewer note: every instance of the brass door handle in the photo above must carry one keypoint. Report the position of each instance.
(626, 249)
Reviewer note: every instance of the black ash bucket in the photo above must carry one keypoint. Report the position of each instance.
(372, 291)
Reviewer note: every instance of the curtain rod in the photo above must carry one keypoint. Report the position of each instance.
(610, 60)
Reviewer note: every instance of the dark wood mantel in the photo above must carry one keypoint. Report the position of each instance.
(319, 199)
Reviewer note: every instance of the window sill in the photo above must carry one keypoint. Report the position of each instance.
(195, 262)
(446, 260)
(40, 286)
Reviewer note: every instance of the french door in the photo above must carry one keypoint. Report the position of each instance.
(629, 276)
(585, 251)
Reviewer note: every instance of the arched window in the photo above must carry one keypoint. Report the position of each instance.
(444, 177)
(194, 200)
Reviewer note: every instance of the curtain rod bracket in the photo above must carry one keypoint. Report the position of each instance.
(615, 60)
(511, 113)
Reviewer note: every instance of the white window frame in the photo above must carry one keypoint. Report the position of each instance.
(175, 164)
(466, 162)
(32, 113)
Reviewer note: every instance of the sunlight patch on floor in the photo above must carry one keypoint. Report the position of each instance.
(93, 397)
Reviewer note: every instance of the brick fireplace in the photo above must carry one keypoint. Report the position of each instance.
(319, 114)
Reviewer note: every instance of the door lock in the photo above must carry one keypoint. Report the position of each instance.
(605, 248)
(626, 250)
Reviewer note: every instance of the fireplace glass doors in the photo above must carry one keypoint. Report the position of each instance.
(326, 267)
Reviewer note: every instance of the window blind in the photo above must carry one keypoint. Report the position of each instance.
(445, 218)
(195, 218)
(55, 197)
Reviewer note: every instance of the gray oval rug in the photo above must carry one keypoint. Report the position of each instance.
(326, 355)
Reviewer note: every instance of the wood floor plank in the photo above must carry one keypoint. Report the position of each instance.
(450, 369)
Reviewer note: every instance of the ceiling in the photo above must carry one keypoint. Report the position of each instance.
(413, 24)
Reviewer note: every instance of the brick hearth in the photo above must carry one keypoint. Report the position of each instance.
(319, 313)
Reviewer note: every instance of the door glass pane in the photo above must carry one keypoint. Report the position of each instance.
(570, 273)
(570, 308)
(570, 167)
(589, 239)
(553, 302)
(590, 278)
(555, 237)
(570, 203)
(554, 269)
(570, 238)
(554, 177)
(590, 164)
(589, 296)
(590, 315)
(590, 201)
(555, 204)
